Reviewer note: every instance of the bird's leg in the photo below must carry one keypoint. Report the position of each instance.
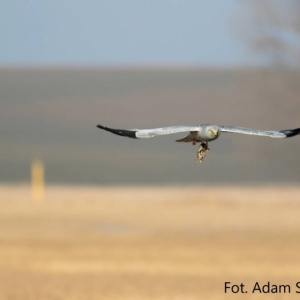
(205, 146)
(202, 151)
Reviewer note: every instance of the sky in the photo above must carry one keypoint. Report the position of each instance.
(116, 32)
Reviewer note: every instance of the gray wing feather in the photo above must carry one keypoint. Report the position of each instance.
(148, 133)
(243, 130)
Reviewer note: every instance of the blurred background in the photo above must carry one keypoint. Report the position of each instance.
(67, 66)
(87, 214)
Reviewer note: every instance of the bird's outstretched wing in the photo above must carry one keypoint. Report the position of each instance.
(274, 134)
(148, 133)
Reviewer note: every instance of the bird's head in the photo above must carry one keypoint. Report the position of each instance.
(212, 131)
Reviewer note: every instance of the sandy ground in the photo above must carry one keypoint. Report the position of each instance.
(148, 243)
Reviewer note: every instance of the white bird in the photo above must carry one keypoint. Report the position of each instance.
(199, 134)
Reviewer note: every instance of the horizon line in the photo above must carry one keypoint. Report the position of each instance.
(129, 66)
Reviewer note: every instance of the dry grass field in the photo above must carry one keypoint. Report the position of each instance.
(148, 243)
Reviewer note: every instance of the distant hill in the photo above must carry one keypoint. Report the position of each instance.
(52, 113)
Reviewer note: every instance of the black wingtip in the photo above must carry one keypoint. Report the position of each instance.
(100, 126)
(121, 132)
(291, 132)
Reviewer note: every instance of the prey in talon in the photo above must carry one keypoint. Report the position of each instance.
(203, 137)
(201, 153)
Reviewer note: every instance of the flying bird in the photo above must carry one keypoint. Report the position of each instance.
(199, 134)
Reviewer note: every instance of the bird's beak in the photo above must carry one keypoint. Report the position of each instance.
(215, 132)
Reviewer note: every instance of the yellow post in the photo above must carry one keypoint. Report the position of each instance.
(37, 180)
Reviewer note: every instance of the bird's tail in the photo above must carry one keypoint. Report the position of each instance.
(186, 139)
